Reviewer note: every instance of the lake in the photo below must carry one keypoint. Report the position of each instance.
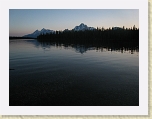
(58, 74)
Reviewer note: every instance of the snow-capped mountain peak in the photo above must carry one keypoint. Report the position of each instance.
(43, 29)
(82, 27)
(37, 33)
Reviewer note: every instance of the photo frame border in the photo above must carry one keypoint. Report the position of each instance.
(115, 116)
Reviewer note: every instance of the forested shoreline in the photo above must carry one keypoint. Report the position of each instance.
(108, 36)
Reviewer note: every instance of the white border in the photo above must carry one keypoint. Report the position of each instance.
(142, 109)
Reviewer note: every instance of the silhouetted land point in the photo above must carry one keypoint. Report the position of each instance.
(15, 37)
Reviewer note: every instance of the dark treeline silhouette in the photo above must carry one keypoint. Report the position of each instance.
(119, 36)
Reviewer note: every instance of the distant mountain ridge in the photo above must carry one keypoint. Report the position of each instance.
(81, 27)
(37, 33)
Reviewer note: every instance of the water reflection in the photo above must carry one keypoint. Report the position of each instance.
(84, 47)
(57, 74)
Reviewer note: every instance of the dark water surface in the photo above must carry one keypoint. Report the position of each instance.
(51, 74)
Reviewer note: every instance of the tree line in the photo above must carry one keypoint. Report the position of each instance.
(100, 35)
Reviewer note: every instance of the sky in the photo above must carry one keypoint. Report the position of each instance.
(26, 21)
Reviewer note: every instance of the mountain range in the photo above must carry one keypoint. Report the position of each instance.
(37, 33)
(81, 27)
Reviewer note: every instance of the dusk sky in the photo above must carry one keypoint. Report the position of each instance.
(26, 21)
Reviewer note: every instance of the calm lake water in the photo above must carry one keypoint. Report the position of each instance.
(51, 74)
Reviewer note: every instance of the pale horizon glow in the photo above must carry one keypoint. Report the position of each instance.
(26, 21)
